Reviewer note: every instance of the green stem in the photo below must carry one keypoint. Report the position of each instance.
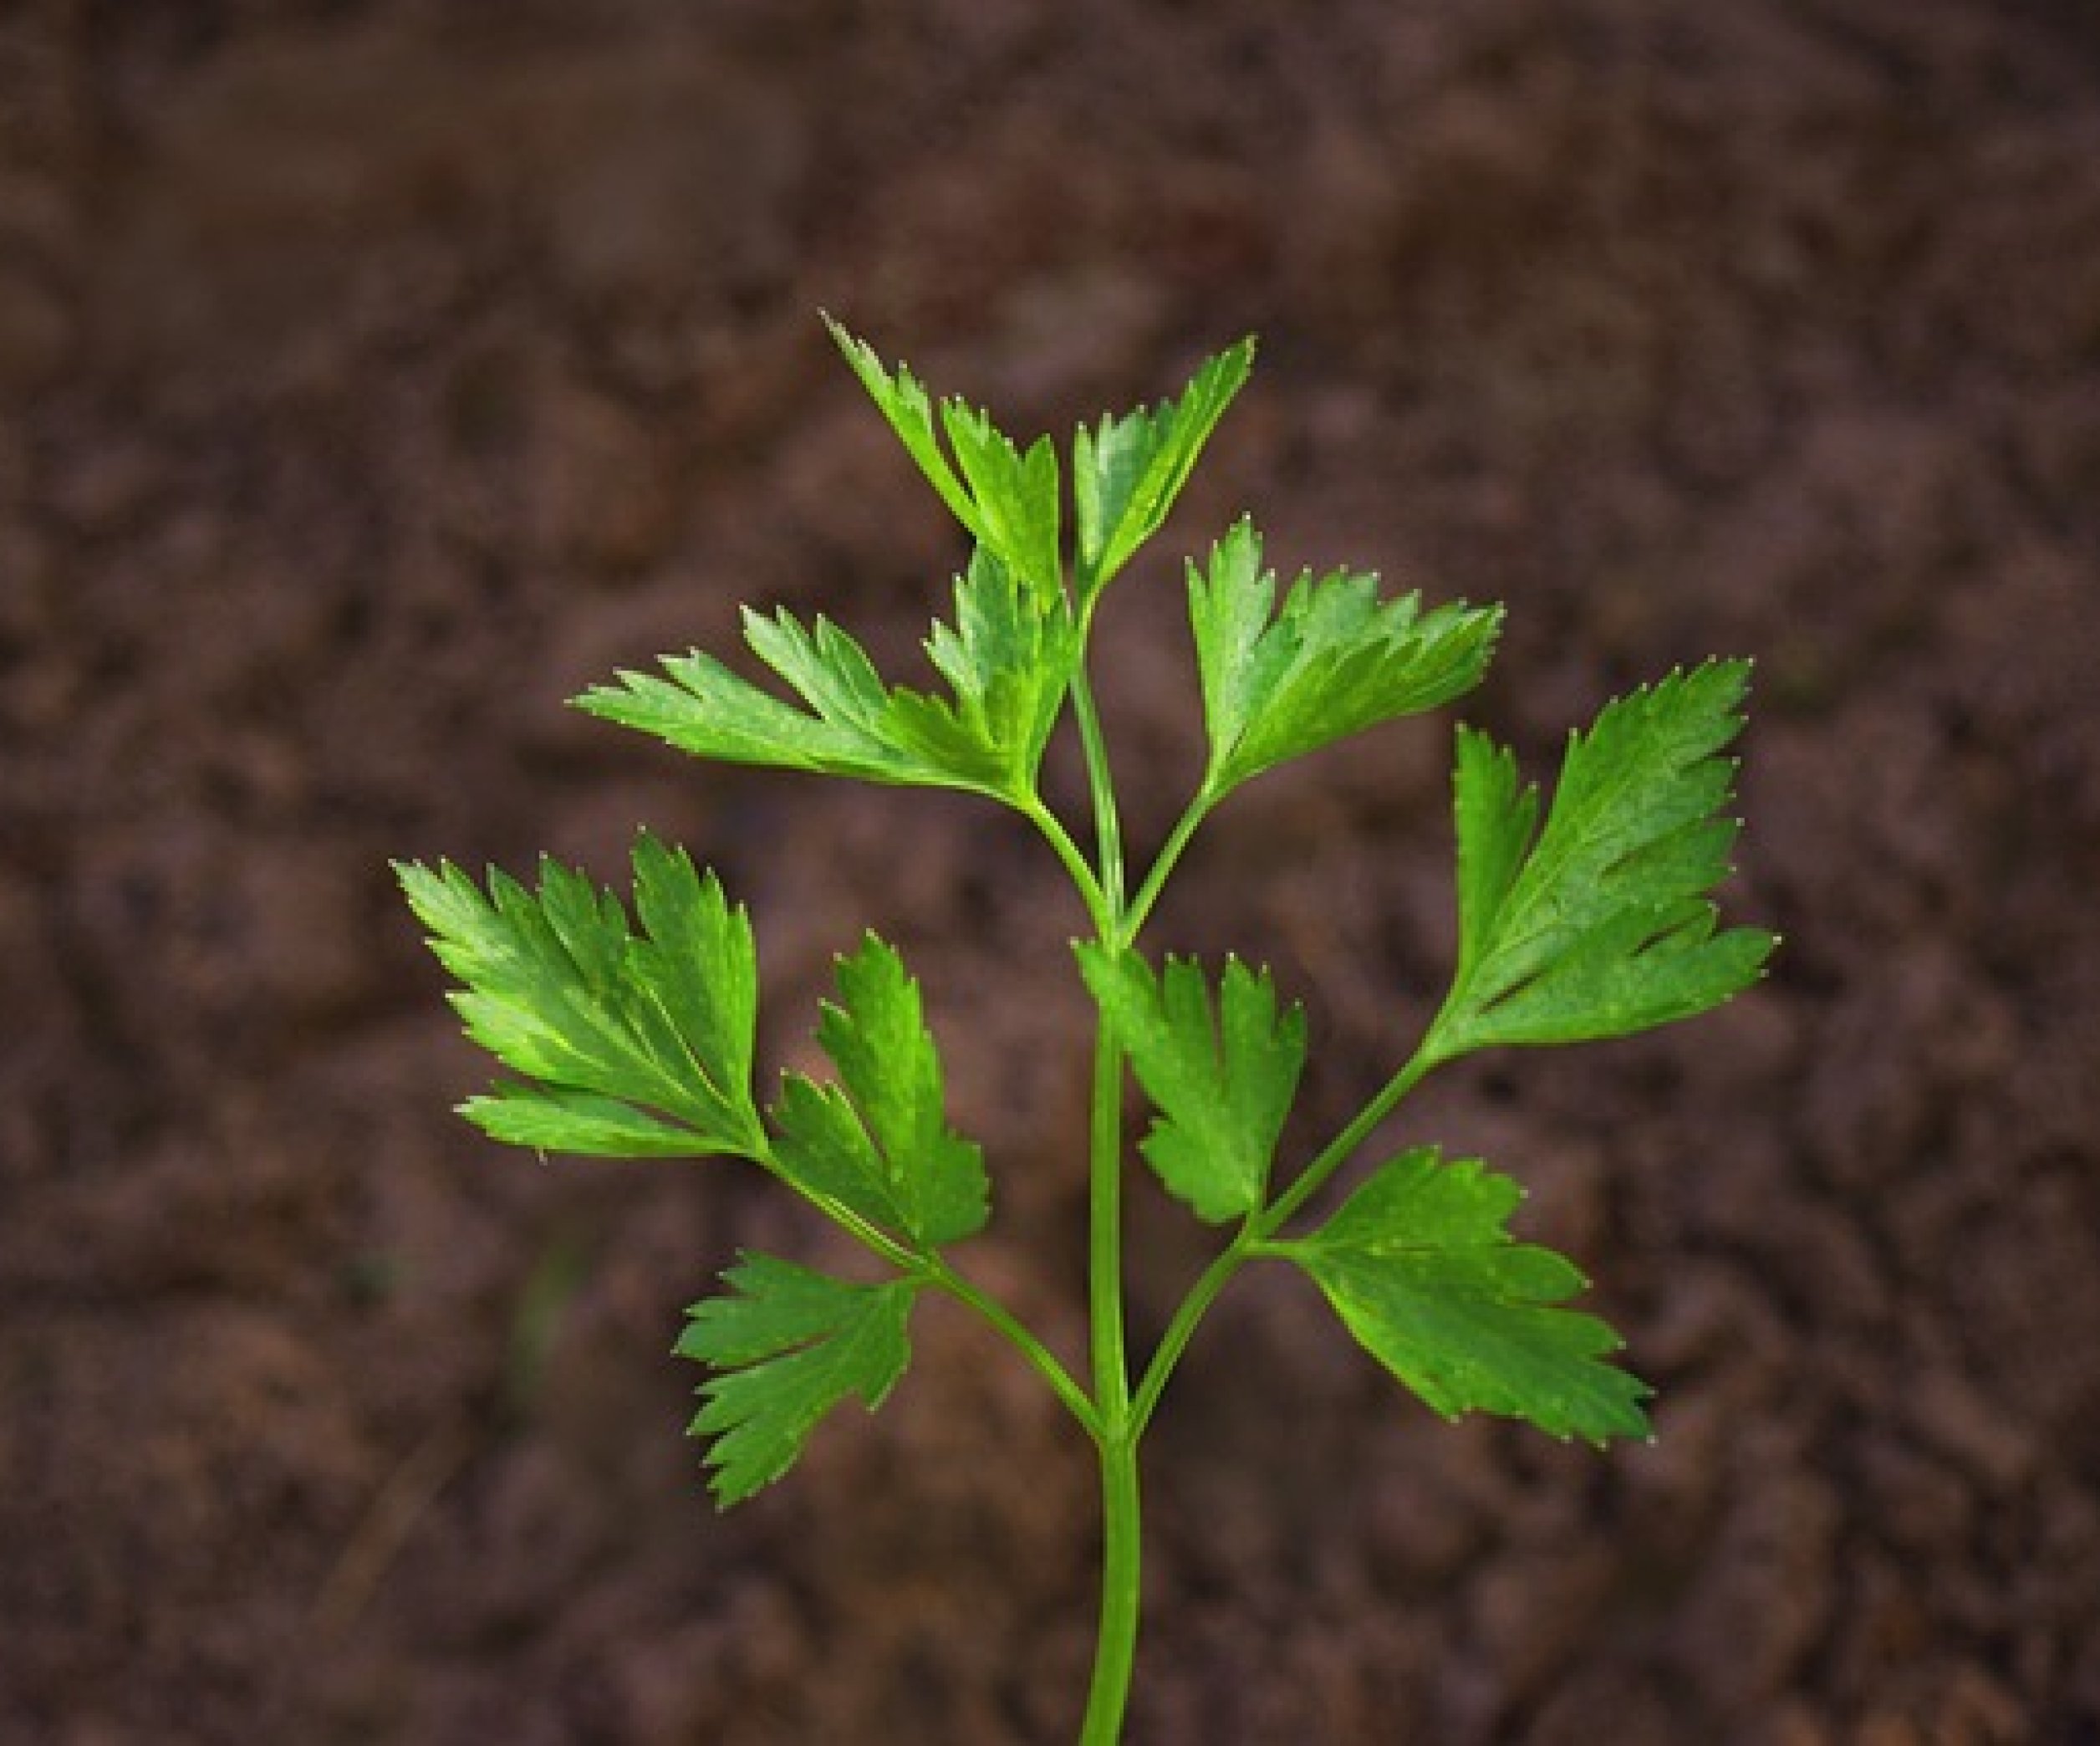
(1170, 856)
(1259, 1227)
(1017, 1335)
(1313, 1177)
(1108, 826)
(935, 1269)
(1122, 1549)
(1104, 1247)
(901, 1256)
(1116, 1635)
(1075, 863)
(1116, 1647)
(1181, 1329)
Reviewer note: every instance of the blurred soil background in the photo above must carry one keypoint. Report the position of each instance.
(373, 376)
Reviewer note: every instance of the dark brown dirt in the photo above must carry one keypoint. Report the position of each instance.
(373, 376)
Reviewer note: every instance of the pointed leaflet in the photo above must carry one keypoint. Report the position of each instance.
(1008, 501)
(789, 1344)
(1222, 1084)
(1602, 926)
(1016, 495)
(904, 400)
(629, 1043)
(1009, 658)
(1127, 471)
(1333, 660)
(1418, 1266)
(880, 1145)
(700, 706)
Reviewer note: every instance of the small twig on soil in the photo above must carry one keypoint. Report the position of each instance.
(386, 1527)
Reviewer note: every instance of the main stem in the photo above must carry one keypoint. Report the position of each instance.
(1116, 1432)
(1122, 1553)
(1116, 1638)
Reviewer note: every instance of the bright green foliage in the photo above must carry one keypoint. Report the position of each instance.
(1127, 471)
(1008, 500)
(879, 1145)
(1418, 1264)
(631, 1044)
(1333, 660)
(1603, 925)
(1016, 495)
(702, 707)
(1009, 656)
(1222, 1081)
(788, 1345)
(635, 1037)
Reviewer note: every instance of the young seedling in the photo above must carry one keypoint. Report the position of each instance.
(632, 1034)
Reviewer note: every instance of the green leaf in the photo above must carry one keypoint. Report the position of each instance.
(790, 1344)
(880, 1145)
(1222, 1082)
(559, 1119)
(1601, 926)
(1008, 501)
(629, 1043)
(1333, 661)
(1127, 471)
(1016, 496)
(700, 706)
(1417, 1265)
(905, 401)
(1010, 657)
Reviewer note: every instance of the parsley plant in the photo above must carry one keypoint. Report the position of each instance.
(631, 1033)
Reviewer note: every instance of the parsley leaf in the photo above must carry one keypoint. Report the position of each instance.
(1417, 1265)
(1008, 501)
(1016, 495)
(1602, 926)
(700, 706)
(1222, 1082)
(1009, 656)
(790, 1344)
(880, 1145)
(1333, 661)
(1127, 471)
(629, 1043)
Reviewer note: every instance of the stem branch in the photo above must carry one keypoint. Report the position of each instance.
(1022, 1338)
(1075, 863)
(1108, 826)
(1170, 856)
(1259, 1228)
(934, 1269)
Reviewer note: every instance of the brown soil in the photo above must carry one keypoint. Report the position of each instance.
(374, 375)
